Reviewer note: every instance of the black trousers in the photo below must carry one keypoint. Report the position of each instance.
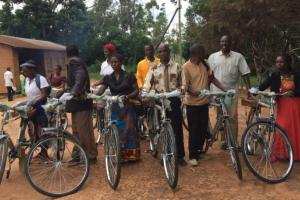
(10, 93)
(197, 117)
(176, 122)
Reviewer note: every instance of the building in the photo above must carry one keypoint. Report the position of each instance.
(15, 51)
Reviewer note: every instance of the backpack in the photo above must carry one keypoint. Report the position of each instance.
(38, 84)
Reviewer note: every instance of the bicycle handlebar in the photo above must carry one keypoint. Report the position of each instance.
(229, 93)
(175, 93)
(105, 97)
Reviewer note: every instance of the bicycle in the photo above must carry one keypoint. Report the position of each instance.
(224, 121)
(110, 133)
(56, 165)
(258, 144)
(25, 139)
(161, 134)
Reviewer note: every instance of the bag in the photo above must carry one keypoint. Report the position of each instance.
(38, 84)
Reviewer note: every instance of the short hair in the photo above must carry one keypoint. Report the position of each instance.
(118, 56)
(227, 35)
(149, 45)
(164, 45)
(287, 60)
(8, 69)
(59, 67)
(195, 48)
(72, 50)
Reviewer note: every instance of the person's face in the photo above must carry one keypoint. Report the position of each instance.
(27, 72)
(106, 52)
(115, 63)
(280, 63)
(149, 51)
(57, 70)
(225, 43)
(164, 53)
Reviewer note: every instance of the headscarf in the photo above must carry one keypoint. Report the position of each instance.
(111, 48)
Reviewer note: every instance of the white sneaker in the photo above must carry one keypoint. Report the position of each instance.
(193, 162)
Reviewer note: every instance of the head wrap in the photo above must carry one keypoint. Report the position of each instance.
(111, 48)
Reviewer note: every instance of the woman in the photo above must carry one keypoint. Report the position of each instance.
(56, 79)
(124, 84)
(22, 83)
(286, 81)
(36, 94)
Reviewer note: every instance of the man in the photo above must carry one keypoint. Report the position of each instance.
(228, 66)
(167, 77)
(9, 83)
(143, 66)
(198, 76)
(78, 84)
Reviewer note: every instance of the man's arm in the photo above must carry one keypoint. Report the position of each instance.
(80, 78)
(147, 83)
(246, 79)
(217, 83)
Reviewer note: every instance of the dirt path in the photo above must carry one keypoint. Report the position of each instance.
(212, 179)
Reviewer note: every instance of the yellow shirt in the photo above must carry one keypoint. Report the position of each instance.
(142, 70)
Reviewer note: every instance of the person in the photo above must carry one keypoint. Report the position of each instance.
(9, 83)
(144, 65)
(78, 84)
(198, 76)
(36, 95)
(167, 77)
(56, 79)
(227, 66)
(142, 68)
(124, 84)
(22, 83)
(108, 51)
(286, 80)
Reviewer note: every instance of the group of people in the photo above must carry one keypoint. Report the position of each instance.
(221, 71)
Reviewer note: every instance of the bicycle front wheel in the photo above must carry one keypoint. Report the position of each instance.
(267, 151)
(233, 151)
(112, 156)
(57, 166)
(169, 155)
(3, 156)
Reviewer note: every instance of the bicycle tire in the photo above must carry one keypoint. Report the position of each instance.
(3, 156)
(233, 151)
(169, 150)
(184, 117)
(61, 145)
(112, 141)
(151, 121)
(247, 133)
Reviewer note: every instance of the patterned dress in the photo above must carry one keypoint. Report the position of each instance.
(125, 116)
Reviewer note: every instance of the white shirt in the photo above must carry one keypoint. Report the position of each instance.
(228, 68)
(31, 89)
(106, 68)
(8, 76)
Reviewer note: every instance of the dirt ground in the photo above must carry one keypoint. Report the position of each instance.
(212, 179)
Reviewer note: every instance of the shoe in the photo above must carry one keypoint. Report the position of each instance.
(182, 162)
(193, 162)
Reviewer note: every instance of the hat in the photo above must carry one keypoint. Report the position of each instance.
(29, 63)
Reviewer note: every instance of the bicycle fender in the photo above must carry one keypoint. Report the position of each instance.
(3, 137)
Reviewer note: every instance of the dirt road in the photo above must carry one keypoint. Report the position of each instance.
(212, 179)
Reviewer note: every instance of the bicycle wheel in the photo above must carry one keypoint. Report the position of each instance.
(272, 160)
(152, 121)
(233, 151)
(112, 157)
(140, 127)
(3, 156)
(184, 117)
(57, 165)
(169, 155)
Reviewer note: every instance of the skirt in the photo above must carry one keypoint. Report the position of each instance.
(288, 117)
(127, 125)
